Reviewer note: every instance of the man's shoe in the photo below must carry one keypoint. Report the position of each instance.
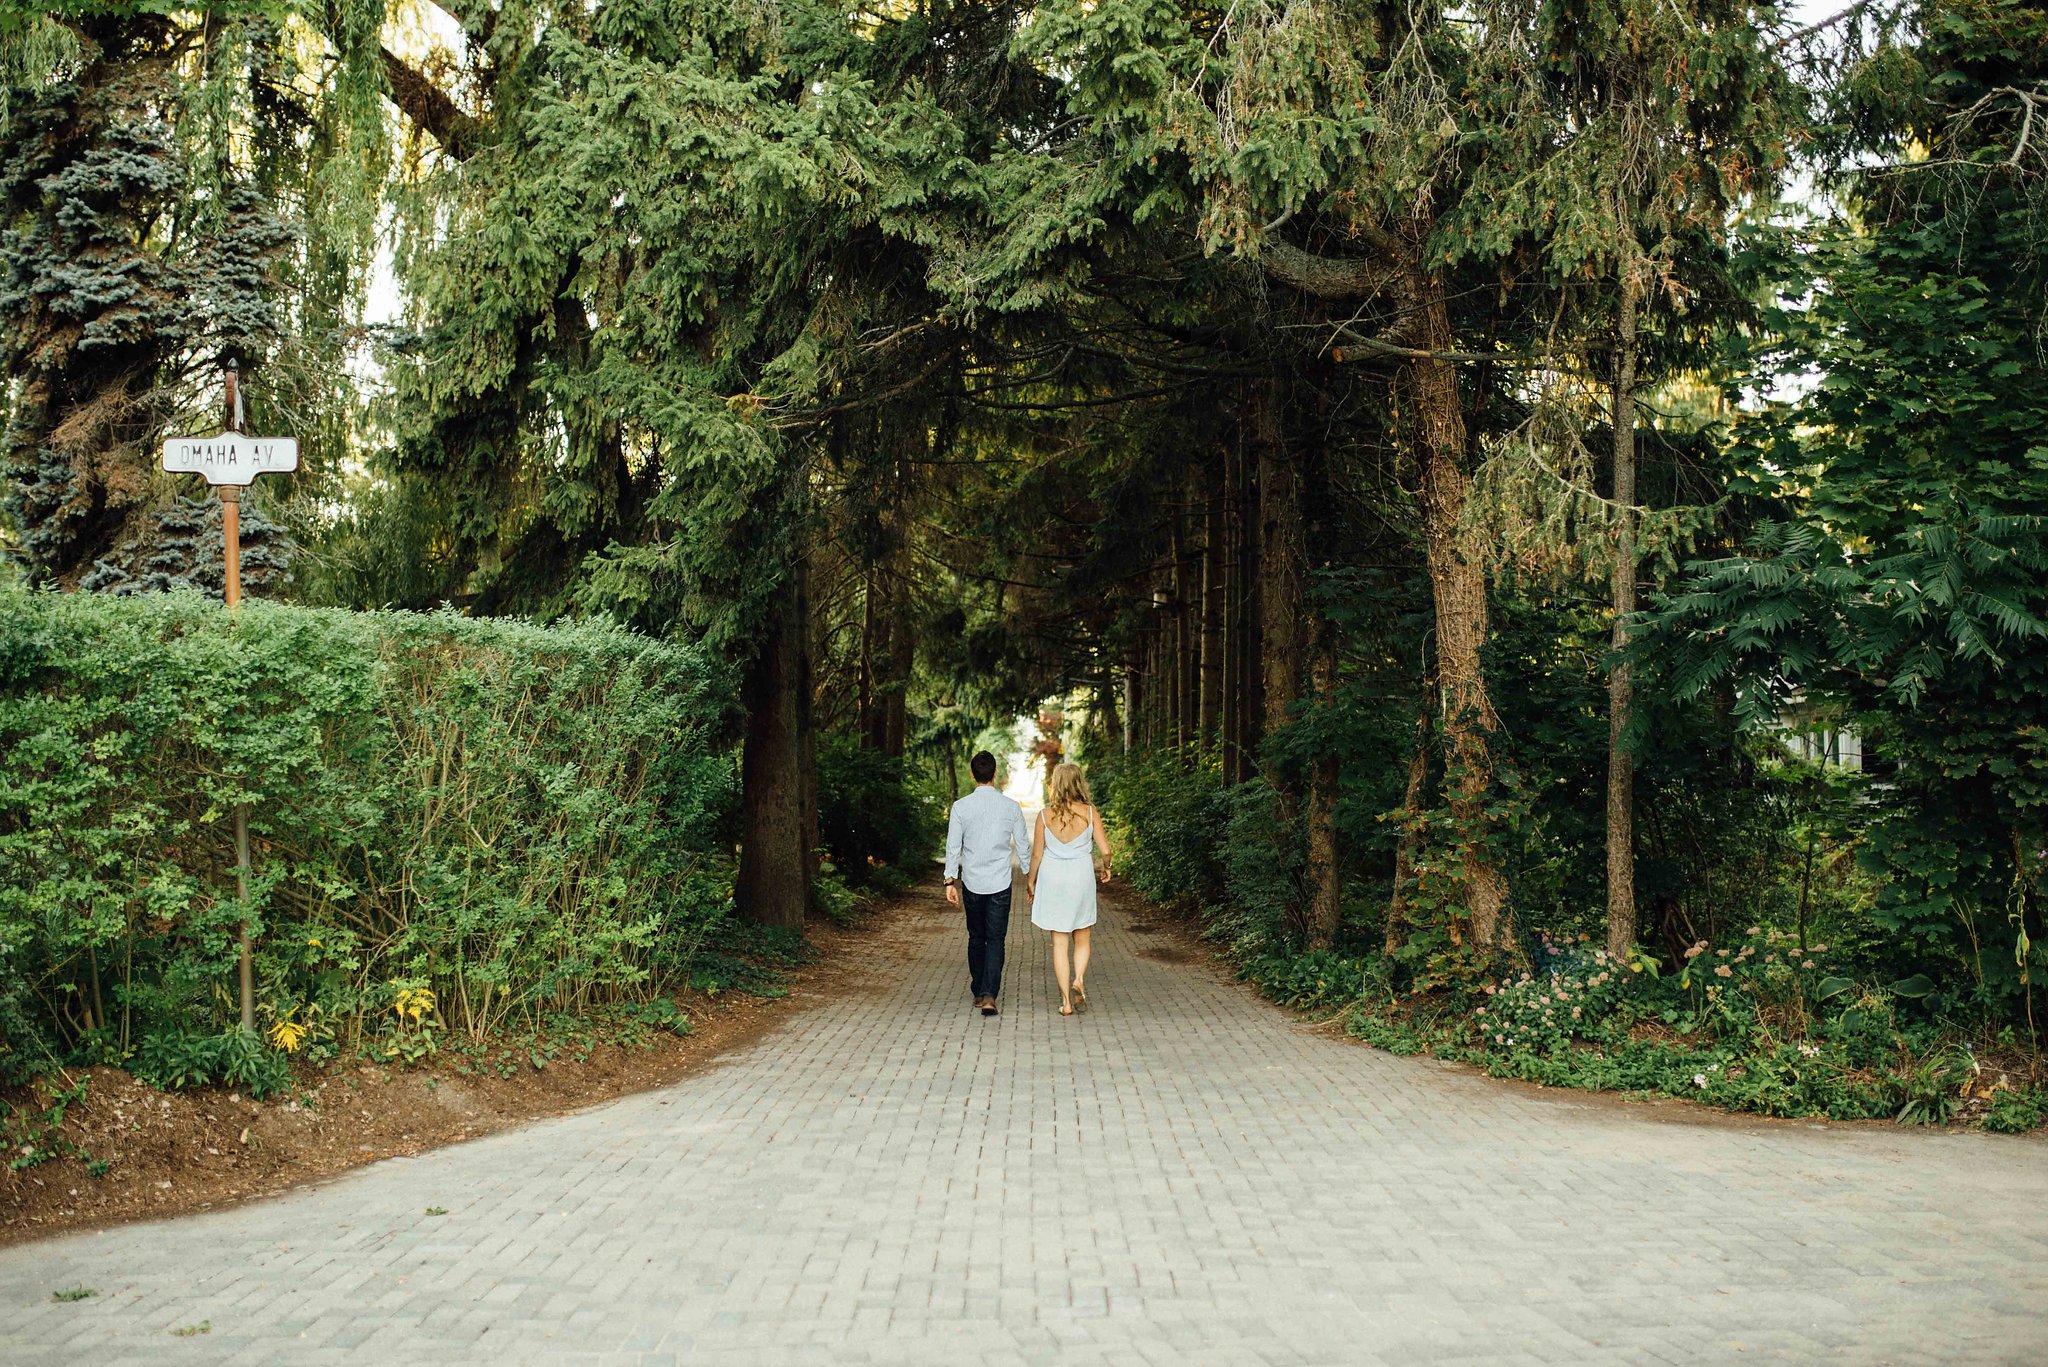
(988, 1006)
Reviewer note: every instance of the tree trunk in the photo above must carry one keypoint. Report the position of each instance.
(1177, 586)
(1621, 779)
(1187, 572)
(864, 689)
(895, 690)
(1251, 693)
(1325, 883)
(1411, 822)
(773, 886)
(878, 653)
(1211, 726)
(1108, 716)
(1161, 681)
(1231, 705)
(1131, 703)
(1148, 680)
(1280, 569)
(806, 725)
(1458, 586)
(1280, 603)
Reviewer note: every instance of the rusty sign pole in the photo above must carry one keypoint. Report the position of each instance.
(231, 589)
(229, 462)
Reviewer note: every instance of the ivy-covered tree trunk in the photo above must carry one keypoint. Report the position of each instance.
(1409, 845)
(1458, 587)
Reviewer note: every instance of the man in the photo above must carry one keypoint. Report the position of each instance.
(985, 830)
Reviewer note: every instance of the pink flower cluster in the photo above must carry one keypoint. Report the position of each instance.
(1766, 949)
(1551, 1006)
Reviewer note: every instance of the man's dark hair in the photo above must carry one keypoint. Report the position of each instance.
(982, 766)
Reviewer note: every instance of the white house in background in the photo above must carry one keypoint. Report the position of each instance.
(1844, 749)
(1813, 736)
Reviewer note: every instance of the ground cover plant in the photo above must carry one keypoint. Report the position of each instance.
(1754, 1020)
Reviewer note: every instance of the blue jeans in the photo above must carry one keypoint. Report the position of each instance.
(988, 923)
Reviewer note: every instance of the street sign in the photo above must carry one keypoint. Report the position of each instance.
(231, 458)
(230, 462)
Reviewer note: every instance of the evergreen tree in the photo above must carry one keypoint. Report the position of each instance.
(153, 180)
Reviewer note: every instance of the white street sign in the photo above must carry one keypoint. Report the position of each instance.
(231, 458)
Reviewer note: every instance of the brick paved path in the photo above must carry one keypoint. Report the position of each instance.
(1183, 1176)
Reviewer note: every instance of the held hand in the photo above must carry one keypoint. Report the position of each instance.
(953, 893)
(1030, 890)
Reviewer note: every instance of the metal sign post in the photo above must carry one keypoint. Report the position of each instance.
(230, 462)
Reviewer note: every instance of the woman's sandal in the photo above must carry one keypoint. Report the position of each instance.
(1080, 998)
(1066, 1010)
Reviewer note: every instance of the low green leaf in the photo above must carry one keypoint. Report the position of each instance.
(1832, 987)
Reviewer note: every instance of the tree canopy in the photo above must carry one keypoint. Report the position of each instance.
(1416, 420)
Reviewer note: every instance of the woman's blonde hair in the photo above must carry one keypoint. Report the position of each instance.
(1067, 786)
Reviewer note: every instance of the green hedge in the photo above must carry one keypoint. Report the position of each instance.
(456, 822)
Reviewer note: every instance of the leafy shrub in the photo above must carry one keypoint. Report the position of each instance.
(2015, 1111)
(1259, 865)
(1752, 1029)
(1574, 991)
(177, 1060)
(513, 818)
(1933, 1086)
(1169, 820)
(663, 1014)
(1765, 983)
(878, 830)
(1321, 980)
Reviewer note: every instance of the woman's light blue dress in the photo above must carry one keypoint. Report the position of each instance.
(1066, 882)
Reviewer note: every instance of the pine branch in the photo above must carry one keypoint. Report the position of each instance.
(1327, 277)
(430, 108)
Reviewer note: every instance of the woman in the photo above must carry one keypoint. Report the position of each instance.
(1065, 905)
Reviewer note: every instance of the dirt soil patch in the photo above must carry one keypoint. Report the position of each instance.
(171, 1153)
